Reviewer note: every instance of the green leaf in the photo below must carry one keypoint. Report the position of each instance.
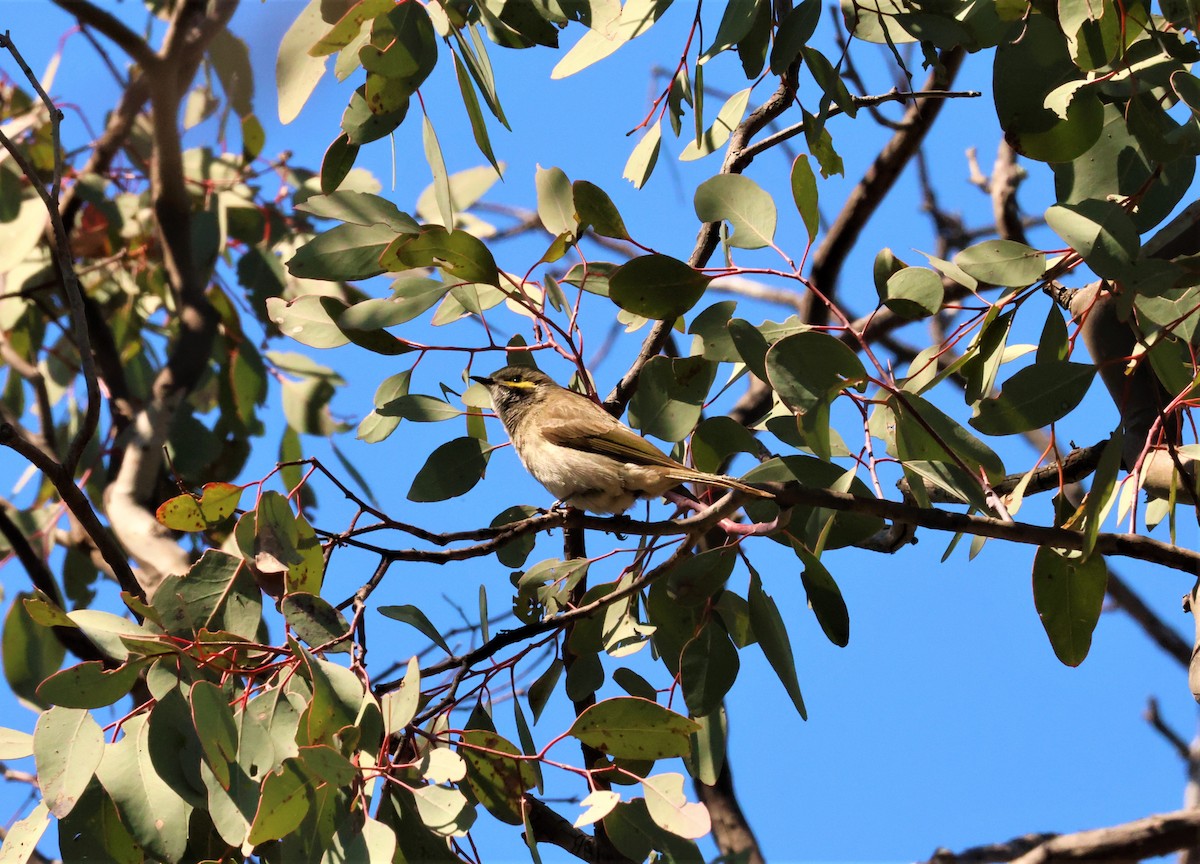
(746, 206)
(709, 746)
(671, 810)
(307, 320)
(735, 24)
(1025, 73)
(15, 744)
(1117, 165)
(629, 728)
(343, 253)
(336, 164)
(296, 71)
(810, 368)
(451, 470)
(497, 782)
(67, 747)
(636, 17)
(515, 551)
(796, 28)
(93, 832)
(23, 836)
(541, 690)
(820, 145)
(443, 810)
(414, 617)
(1002, 262)
(217, 593)
(457, 253)
(696, 579)
(824, 597)
(419, 408)
(773, 637)
(981, 368)
(359, 208)
(216, 728)
(643, 157)
(707, 669)
(1034, 397)
(656, 286)
(437, 164)
(315, 621)
(555, 203)
(596, 210)
(914, 292)
(362, 125)
(30, 651)
(1069, 594)
(348, 26)
(286, 800)
(90, 684)
(713, 138)
(829, 80)
(1100, 231)
(670, 396)
(804, 187)
(471, 103)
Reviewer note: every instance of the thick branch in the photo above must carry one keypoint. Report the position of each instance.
(1133, 841)
(43, 580)
(193, 25)
(730, 829)
(550, 827)
(696, 526)
(79, 506)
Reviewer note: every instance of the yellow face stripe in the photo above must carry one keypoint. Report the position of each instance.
(523, 385)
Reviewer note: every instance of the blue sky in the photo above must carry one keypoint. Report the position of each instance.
(947, 721)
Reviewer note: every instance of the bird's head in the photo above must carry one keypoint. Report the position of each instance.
(516, 388)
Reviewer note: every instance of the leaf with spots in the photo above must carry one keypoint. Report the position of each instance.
(631, 728)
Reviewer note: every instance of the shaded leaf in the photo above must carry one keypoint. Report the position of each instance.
(1034, 397)
(414, 617)
(451, 470)
(773, 638)
(1069, 593)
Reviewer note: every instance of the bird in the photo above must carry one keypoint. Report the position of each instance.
(583, 455)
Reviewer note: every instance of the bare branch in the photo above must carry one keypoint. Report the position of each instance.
(730, 828)
(1142, 838)
(737, 158)
(43, 580)
(64, 264)
(1126, 545)
(78, 504)
(112, 27)
(866, 197)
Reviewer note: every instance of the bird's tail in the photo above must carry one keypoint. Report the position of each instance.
(689, 476)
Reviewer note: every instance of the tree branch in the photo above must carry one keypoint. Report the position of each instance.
(1126, 545)
(1142, 838)
(737, 157)
(866, 197)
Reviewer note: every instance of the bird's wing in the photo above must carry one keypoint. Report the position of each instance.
(595, 431)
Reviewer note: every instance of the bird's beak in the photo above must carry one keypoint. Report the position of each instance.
(480, 379)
